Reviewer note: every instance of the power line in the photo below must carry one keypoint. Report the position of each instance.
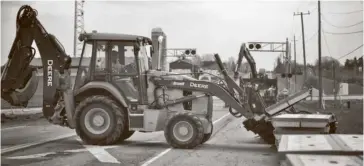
(327, 46)
(308, 39)
(293, 27)
(311, 37)
(350, 52)
(347, 26)
(352, 12)
(303, 3)
(343, 33)
(313, 10)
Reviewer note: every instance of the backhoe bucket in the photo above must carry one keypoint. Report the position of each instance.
(20, 97)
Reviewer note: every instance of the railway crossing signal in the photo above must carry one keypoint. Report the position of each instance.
(256, 46)
(289, 75)
(190, 51)
(268, 46)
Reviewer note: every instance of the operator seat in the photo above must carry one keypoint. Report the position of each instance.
(125, 83)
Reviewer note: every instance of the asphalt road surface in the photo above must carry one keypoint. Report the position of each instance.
(28, 144)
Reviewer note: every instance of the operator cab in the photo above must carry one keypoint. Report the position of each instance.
(111, 58)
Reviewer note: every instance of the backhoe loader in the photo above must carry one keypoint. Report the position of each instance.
(113, 97)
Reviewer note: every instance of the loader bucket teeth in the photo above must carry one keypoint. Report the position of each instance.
(263, 128)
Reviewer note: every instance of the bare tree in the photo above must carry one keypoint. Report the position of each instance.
(207, 57)
(327, 62)
(231, 64)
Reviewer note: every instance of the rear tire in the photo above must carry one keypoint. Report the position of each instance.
(189, 139)
(99, 120)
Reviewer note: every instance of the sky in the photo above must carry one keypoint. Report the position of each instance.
(210, 26)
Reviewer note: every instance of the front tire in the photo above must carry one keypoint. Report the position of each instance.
(99, 120)
(184, 131)
(206, 137)
(125, 135)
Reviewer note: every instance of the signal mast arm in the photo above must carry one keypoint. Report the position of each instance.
(19, 80)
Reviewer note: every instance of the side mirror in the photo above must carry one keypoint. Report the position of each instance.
(160, 39)
(149, 53)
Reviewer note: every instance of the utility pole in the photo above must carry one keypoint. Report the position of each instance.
(303, 43)
(295, 62)
(319, 55)
(334, 77)
(287, 54)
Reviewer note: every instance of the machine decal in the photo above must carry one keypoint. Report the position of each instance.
(49, 72)
(195, 85)
(178, 83)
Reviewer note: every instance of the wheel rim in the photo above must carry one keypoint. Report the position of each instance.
(97, 120)
(183, 131)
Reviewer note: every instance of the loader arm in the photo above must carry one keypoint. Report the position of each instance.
(209, 88)
(19, 80)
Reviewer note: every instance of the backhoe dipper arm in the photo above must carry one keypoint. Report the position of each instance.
(244, 52)
(19, 80)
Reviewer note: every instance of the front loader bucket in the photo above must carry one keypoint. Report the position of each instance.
(261, 124)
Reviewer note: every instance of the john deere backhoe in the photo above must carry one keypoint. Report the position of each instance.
(113, 96)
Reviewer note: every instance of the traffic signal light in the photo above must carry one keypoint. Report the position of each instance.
(190, 51)
(256, 46)
(289, 75)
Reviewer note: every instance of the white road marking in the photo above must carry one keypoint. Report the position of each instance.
(10, 128)
(41, 155)
(221, 118)
(100, 153)
(27, 145)
(169, 149)
(157, 157)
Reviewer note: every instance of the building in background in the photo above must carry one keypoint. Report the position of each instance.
(184, 66)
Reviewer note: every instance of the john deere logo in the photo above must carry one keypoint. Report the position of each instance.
(199, 85)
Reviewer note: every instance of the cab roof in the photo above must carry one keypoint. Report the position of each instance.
(110, 36)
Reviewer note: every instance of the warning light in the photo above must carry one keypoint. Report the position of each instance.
(255, 46)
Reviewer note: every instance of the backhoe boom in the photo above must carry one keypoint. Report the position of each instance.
(19, 80)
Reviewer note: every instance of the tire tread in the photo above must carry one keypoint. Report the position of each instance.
(119, 117)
